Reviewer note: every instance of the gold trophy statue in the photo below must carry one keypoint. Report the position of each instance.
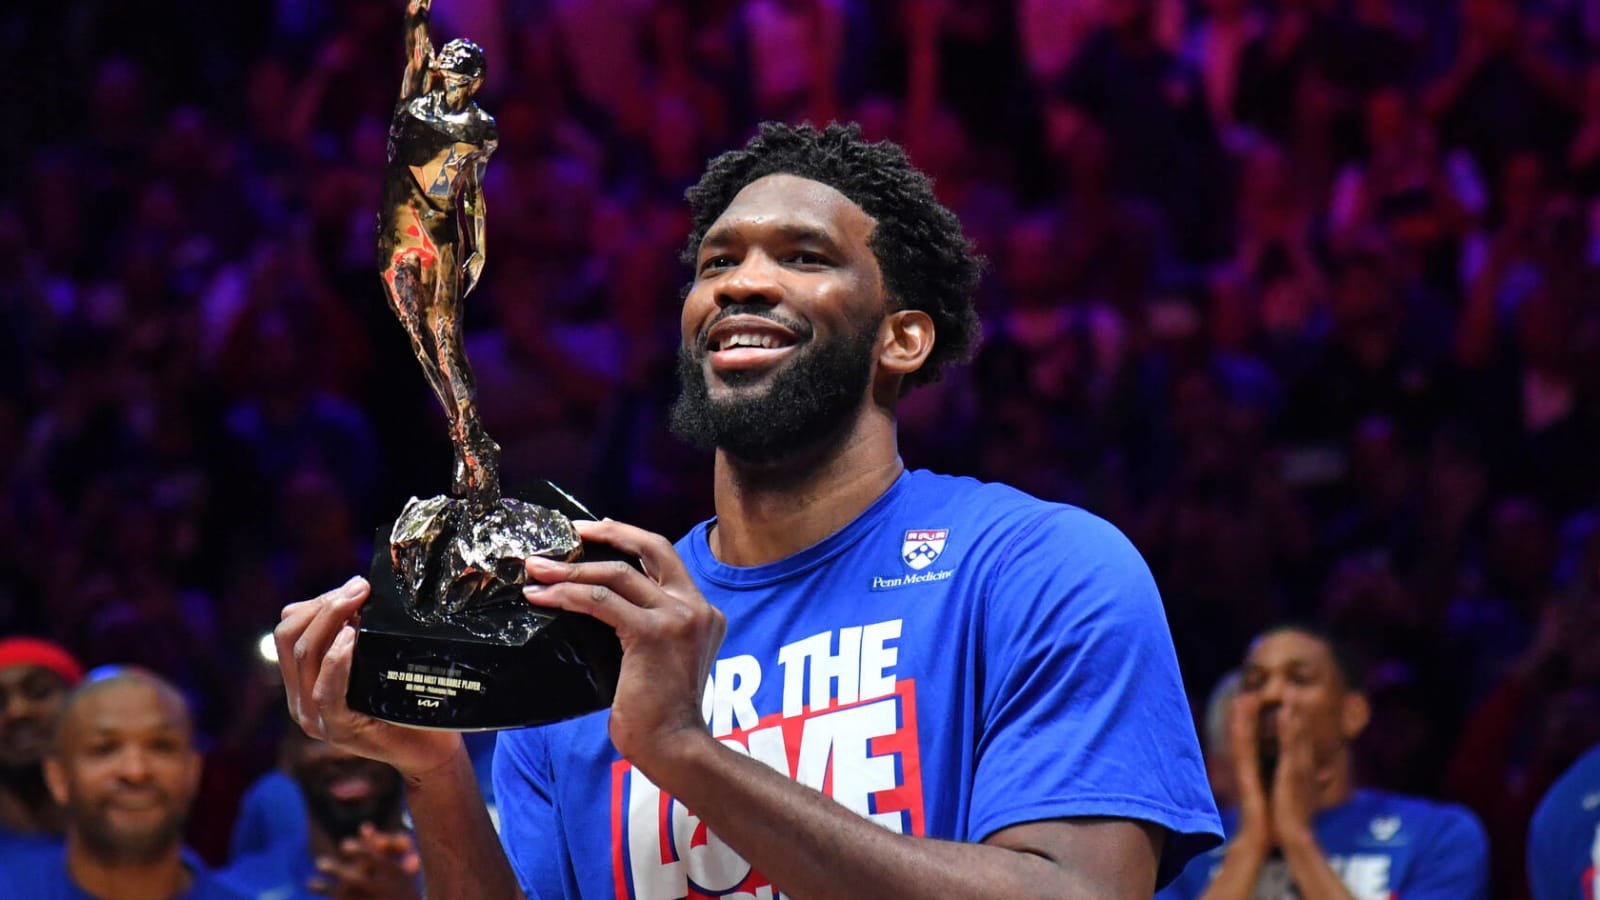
(447, 640)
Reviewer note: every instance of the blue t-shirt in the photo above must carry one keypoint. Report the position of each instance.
(281, 871)
(959, 659)
(14, 844)
(42, 875)
(1383, 846)
(1564, 837)
(272, 813)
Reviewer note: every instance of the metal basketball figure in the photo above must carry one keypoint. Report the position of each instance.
(447, 640)
(440, 142)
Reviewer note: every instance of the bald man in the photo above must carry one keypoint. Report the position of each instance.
(124, 769)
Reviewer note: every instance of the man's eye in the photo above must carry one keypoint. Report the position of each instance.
(715, 262)
(809, 259)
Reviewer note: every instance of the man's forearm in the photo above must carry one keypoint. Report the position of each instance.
(810, 846)
(461, 854)
(1309, 869)
(1241, 868)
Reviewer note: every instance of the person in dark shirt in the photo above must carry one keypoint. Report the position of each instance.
(35, 676)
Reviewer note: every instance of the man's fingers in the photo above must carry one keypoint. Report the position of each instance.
(342, 872)
(595, 600)
(334, 678)
(335, 610)
(625, 580)
(660, 558)
(296, 616)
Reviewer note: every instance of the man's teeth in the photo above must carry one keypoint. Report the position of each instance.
(765, 342)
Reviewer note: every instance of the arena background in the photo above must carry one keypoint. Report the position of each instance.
(1301, 294)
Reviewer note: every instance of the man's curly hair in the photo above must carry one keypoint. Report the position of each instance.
(926, 260)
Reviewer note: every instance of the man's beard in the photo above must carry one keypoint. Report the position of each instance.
(341, 819)
(106, 842)
(808, 403)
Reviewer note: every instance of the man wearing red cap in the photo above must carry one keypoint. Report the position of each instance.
(35, 676)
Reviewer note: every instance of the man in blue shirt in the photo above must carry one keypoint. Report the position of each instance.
(930, 687)
(1302, 828)
(353, 842)
(124, 769)
(1564, 837)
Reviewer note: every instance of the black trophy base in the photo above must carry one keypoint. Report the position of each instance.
(449, 676)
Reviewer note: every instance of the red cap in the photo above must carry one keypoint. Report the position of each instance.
(25, 651)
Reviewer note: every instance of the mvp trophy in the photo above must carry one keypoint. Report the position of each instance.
(447, 640)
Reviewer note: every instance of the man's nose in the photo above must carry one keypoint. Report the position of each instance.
(16, 705)
(753, 280)
(1271, 691)
(133, 765)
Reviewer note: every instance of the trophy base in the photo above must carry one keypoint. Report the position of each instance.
(443, 675)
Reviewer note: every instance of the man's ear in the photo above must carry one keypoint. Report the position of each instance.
(1355, 711)
(196, 767)
(55, 778)
(904, 341)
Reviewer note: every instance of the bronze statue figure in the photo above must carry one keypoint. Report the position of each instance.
(447, 639)
(439, 144)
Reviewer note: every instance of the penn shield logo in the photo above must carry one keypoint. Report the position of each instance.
(1384, 827)
(922, 547)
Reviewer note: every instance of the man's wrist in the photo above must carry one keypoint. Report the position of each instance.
(1255, 841)
(425, 773)
(1298, 840)
(678, 759)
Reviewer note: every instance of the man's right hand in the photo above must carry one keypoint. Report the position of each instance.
(316, 641)
(1244, 739)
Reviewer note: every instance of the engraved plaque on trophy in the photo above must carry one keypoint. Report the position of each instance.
(447, 640)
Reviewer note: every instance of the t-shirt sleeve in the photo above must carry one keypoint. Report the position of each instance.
(1553, 868)
(1083, 709)
(528, 828)
(1454, 863)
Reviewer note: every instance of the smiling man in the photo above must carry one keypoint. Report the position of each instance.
(124, 769)
(856, 680)
(357, 845)
(1303, 829)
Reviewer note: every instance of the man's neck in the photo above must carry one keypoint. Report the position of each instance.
(161, 878)
(764, 515)
(1335, 784)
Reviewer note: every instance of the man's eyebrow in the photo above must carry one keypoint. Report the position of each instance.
(724, 235)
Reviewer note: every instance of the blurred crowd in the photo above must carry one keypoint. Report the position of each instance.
(1301, 294)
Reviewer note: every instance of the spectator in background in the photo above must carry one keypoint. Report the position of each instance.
(1540, 717)
(1153, 108)
(356, 844)
(35, 676)
(1214, 740)
(1302, 824)
(1508, 88)
(1564, 838)
(124, 770)
(1215, 48)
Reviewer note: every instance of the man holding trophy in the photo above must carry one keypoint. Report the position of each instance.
(856, 680)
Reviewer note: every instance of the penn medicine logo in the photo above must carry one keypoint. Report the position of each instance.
(922, 547)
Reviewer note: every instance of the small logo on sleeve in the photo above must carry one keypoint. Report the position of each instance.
(922, 547)
(1384, 827)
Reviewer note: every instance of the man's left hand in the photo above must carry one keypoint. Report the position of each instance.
(669, 633)
(373, 865)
